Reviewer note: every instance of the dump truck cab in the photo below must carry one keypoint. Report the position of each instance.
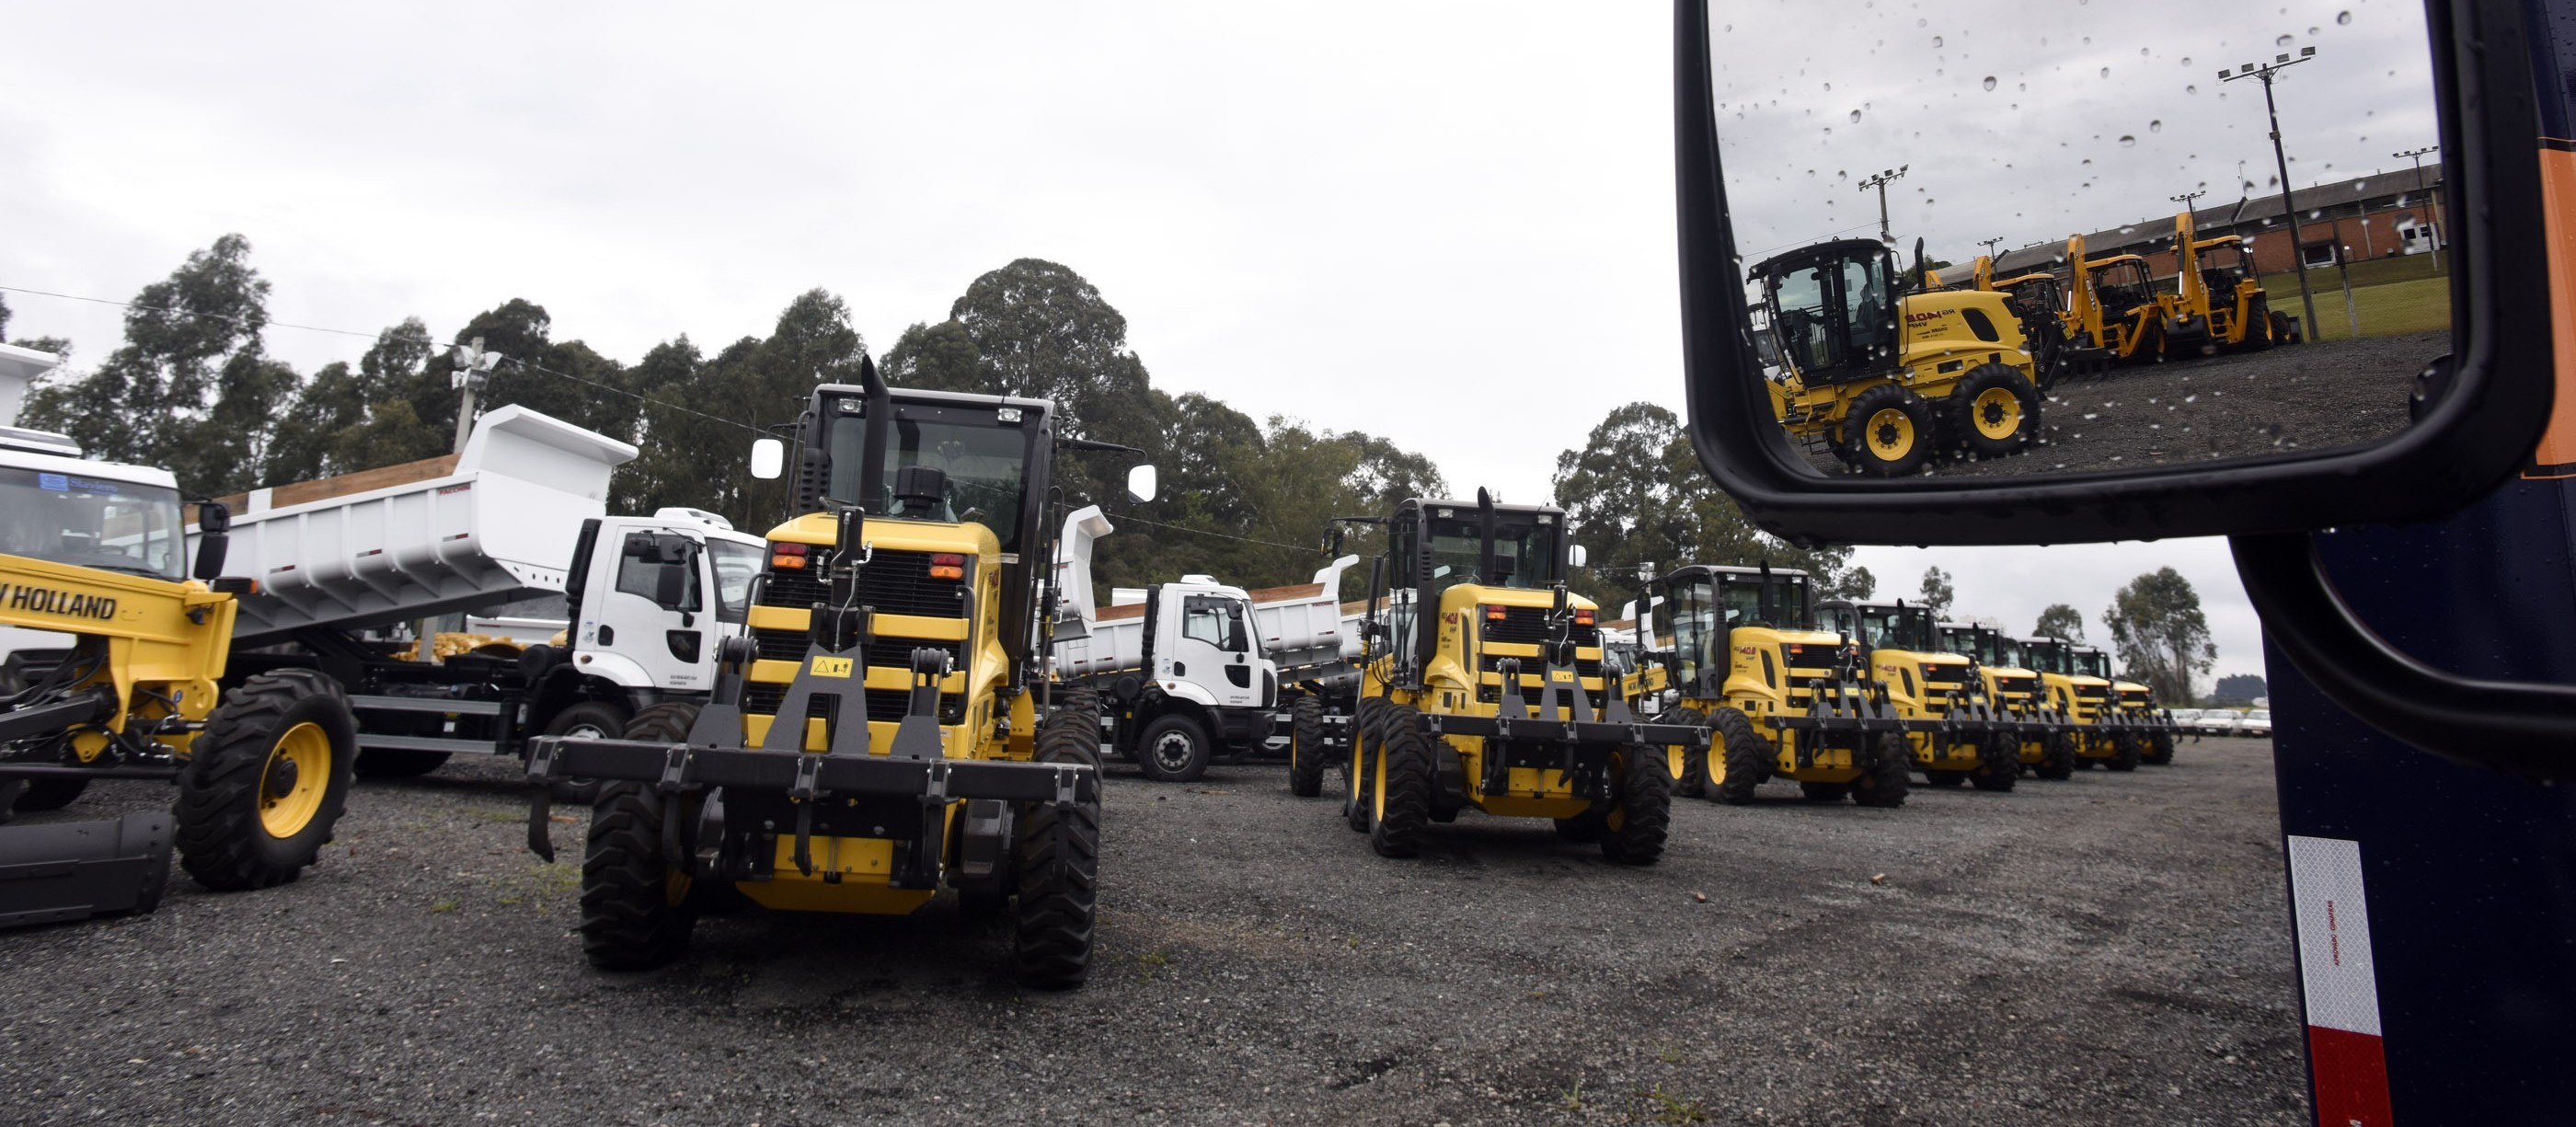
(1781, 698)
(1931, 687)
(1884, 371)
(1485, 688)
(879, 734)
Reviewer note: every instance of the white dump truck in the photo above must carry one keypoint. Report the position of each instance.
(1193, 672)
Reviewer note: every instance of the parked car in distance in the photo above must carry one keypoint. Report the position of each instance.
(2218, 722)
(2186, 720)
(2256, 723)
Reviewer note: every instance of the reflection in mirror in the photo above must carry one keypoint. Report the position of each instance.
(1140, 482)
(768, 458)
(2004, 237)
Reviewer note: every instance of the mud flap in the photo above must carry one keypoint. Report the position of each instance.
(75, 870)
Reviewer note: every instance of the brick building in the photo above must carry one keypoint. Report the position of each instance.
(2382, 215)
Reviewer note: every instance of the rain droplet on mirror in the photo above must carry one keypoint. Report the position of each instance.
(2343, 18)
(2106, 72)
(1936, 40)
(2156, 126)
(2128, 141)
(2283, 41)
(1855, 116)
(1990, 82)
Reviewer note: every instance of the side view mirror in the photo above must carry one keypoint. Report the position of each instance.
(216, 522)
(1576, 555)
(1140, 482)
(768, 459)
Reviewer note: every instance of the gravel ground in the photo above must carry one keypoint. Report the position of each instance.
(2306, 397)
(2112, 949)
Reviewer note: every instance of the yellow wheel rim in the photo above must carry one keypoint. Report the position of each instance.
(1889, 434)
(1377, 807)
(1997, 412)
(288, 799)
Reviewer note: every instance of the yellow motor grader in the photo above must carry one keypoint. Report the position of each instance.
(2079, 690)
(882, 730)
(1738, 650)
(1931, 690)
(1887, 373)
(1485, 688)
(2013, 705)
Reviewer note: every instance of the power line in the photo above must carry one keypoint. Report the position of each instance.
(1219, 535)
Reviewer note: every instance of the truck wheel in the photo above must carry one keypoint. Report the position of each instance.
(1999, 764)
(636, 911)
(1748, 757)
(1057, 872)
(1993, 411)
(1634, 829)
(56, 793)
(1693, 780)
(1306, 753)
(1890, 429)
(2159, 751)
(1173, 749)
(2124, 752)
(266, 781)
(1072, 729)
(1400, 789)
(1883, 783)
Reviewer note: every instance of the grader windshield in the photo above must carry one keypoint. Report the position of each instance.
(1525, 548)
(85, 521)
(984, 456)
(1831, 308)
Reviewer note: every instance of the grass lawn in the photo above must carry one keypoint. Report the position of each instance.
(2388, 309)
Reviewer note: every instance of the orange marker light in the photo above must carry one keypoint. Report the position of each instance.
(1493, 614)
(944, 571)
(783, 560)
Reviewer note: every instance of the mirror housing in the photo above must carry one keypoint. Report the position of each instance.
(214, 522)
(1141, 483)
(768, 459)
(1575, 555)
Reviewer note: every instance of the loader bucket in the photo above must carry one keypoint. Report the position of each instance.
(75, 870)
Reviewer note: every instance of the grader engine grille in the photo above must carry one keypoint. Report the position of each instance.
(894, 582)
(1528, 626)
(1939, 682)
(2089, 700)
(2015, 688)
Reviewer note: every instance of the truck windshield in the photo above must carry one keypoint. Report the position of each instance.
(71, 518)
(987, 468)
(735, 565)
(1524, 554)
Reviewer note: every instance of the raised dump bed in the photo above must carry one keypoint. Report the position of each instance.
(495, 523)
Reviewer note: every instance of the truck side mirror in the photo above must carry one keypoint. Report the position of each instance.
(768, 459)
(215, 522)
(1140, 482)
(1575, 555)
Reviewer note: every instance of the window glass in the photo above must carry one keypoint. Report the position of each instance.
(736, 565)
(643, 573)
(1213, 619)
(70, 518)
(1805, 330)
(1865, 294)
(1525, 553)
(987, 468)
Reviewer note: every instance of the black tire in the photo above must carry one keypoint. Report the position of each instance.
(1633, 830)
(2282, 332)
(1933, 778)
(1749, 758)
(1993, 411)
(1057, 873)
(1400, 811)
(1885, 779)
(1693, 781)
(1174, 748)
(1824, 792)
(44, 794)
(1356, 773)
(244, 823)
(636, 914)
(1891, 431)
(2124, 752)
(2159, 749)
(1306, 751)
(1999, 763)
(1073, 728)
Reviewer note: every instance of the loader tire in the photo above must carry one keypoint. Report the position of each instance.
(1634, 828)
(2158, 750)
(1884, 782)
(1306, 752)
(636, 911)
(1891, 430)
(1749, 758)
(1999, 763)
(1357, 775)
(1400, 791)
(1057, 874)
(1072, 729)
(1693, 781)
(2056, 757)
(42, 794)
(1993, 411)
(265, 782)
(2124, 752)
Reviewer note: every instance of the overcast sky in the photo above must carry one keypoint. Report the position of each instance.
(1450, 224)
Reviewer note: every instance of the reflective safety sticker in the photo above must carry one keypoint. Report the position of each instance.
(831, 667)
(2337, 980)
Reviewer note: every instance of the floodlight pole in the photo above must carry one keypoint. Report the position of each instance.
(473, 370)
(2432, 207)
(2281, 159)
(1886, 234)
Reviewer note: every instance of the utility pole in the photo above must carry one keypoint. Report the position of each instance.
(2281, 159)
(1989, 244)
(1886, 234)
(473, 370)
(2432, 206)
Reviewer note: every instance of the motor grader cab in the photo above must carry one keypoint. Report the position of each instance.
(2014, 706)
(1485, 689)
(2218, 305)
(118, 642)
(1779, 698)
(1931, 690)
(2114, 307)
(2082, 697)
(879, 734)
(1885, 375)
